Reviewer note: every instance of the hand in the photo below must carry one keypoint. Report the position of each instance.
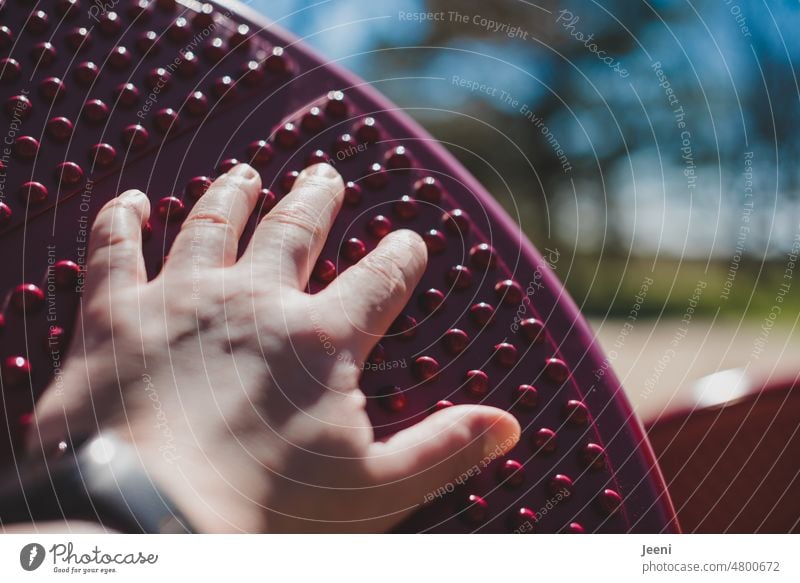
(216, 369)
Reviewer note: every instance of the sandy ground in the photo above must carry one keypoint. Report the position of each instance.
(659, 363)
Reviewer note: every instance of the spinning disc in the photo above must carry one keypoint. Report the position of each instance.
(164, 95)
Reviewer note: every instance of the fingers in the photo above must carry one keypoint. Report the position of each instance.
(115, 245)
(289, 239)
(373, 292)
(209, 235)
(454, 442)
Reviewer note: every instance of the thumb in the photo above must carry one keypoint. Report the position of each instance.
(417, 461)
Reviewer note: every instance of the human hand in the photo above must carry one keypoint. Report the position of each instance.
(215, 370)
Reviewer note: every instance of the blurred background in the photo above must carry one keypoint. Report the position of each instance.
(651, 146)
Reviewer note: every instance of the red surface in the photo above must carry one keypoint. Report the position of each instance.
(481, 336)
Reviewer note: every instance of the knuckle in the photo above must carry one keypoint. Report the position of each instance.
(296, 215)
(208, 218)
(385, 267)
(329, 185)
(234, 183)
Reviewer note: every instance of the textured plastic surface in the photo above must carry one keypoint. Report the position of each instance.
(162, 96)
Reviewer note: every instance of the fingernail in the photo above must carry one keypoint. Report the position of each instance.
(321, 170)
(243, 171)
(132, 194)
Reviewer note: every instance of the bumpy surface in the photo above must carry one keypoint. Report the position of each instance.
(162, 96)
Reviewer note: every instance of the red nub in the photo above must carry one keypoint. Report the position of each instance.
(560, 484)
(259, 152)
(26, 147)
(336, 105)
(459, 277)
(287, 136)
(532, 330)
(406, 208)
(523, 520)
(267, 201)
(27, 297)
(376, 177)
(576, 412)
(443, 404)
(483, 256)
(481, 313)
(379, 226)
(426, 368)
(367, 131)
(526, 396)
(66, 274)
(171, 209)
(353, 250)
(434, 241)
(505, 354)
(197, 187)
(166, 119)
(545, 441)
(593, 456)
(313, 121)
(16, 370)
(393, 399)
(135, 136)
(609, 501)
(43, 54)
(509, 292)
(457, 222)
(405, 327)
(398, 159)
(60, 128)
(455, 341)
(511, 473)
(476, 383)
(33, 193)
(69, 174)
(86, 73)
(324, 271)
(352, 194)
(431, 301)
(127, 95)
(475, 509)
(103, 155)
(95, 111)
(428, 189)
(556, 370)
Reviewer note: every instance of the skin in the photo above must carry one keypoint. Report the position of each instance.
(216, 370)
